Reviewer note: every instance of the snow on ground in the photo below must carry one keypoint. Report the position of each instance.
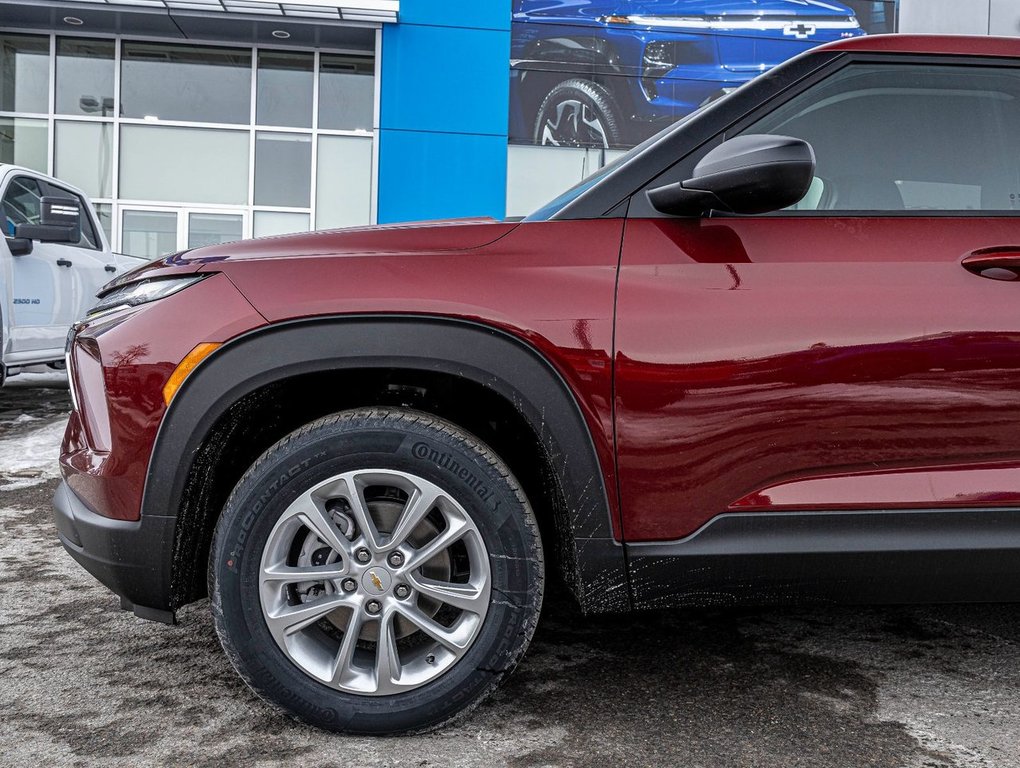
(29, 458)
(38, 376)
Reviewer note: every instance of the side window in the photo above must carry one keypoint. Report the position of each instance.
(908, 137)
(21, 203)
(89, 238)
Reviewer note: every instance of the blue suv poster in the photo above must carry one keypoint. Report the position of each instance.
(610, 73)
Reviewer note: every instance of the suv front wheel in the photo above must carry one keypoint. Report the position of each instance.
(377, 571)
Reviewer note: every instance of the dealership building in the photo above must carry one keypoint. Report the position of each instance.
(197, 121)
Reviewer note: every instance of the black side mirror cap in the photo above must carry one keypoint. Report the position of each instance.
(19, 246)
(747, 174)
(60, 222)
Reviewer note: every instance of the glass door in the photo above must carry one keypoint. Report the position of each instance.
(205, 228)
(150, 232)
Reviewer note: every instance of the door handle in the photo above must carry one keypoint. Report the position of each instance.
(63, 263)
(997, 263)
(110, 268)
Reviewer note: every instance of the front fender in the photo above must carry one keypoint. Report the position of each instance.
(484, 355)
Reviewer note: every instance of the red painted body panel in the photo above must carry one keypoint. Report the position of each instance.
(105, 457)
(962, 45)
(420, 237)
(762, 352)
(551, 284)
(972, 486)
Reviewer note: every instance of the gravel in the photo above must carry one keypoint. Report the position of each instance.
(84, 684)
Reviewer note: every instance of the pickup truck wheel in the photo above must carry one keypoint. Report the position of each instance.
(578, 113)
(378, 571)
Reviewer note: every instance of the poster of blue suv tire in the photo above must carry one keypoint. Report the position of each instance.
(610, 73)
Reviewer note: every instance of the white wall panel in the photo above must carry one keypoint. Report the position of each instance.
(1004, 17)
(960, 17)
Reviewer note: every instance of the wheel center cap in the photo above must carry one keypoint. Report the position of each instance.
(376, 581)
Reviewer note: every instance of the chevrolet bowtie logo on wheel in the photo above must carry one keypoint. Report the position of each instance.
(376, 581)
(800, 30)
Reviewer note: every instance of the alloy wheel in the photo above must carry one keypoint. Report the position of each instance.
(374, 582)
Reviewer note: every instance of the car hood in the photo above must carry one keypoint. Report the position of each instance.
(419, 237)
(425, 236)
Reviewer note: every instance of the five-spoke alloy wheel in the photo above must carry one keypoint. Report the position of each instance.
(355, 571)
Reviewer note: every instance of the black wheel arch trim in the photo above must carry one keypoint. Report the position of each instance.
(481, 353)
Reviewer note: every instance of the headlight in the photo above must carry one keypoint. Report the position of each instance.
(142, 292)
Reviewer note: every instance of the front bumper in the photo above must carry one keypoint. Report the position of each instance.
(132, 558)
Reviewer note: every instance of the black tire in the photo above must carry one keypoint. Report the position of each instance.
(560, 123)
(387, 439)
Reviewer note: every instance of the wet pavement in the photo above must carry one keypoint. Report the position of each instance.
(85, 684)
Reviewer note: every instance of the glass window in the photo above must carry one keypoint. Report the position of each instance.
(149, 234)
(346, 92)
(24, 142)
(343, 182)
(21, 203)
(214, 228)
(285, 84)
(909, 138)
(269, 223)
(83, 156)
(85, 77)
(201, 165)
(178, 82)
(537, 174)
(105, 213)
(89, 236)
(283, 169)
(24, 73)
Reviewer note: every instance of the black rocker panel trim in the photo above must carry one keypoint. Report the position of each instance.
(469, 350)
(873, 556)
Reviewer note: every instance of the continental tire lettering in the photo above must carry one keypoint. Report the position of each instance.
(256, 509)
(454, 467)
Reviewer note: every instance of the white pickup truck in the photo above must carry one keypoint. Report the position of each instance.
(54, 258)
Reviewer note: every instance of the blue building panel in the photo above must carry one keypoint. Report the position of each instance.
(479, 14)
(425, 175)
(444, 110)
(445, 79)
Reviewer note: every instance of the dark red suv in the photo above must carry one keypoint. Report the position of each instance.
(770, 355)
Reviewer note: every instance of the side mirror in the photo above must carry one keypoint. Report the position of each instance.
(60, 222)
(747, 174)
(19, 246)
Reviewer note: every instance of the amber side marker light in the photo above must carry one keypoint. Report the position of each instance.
(186, 366)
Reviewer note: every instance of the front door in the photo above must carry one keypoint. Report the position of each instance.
(41, 302)
(860, 352)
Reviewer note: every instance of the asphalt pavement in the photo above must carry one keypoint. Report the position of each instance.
(83, 683)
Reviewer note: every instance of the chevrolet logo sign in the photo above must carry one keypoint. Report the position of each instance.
(800, 30)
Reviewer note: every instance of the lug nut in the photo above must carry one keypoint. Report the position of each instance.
(348, 585)
(402, 591)
(396, 559)
(363, 555)
(373, 607)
